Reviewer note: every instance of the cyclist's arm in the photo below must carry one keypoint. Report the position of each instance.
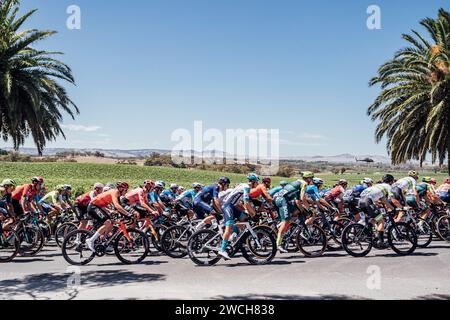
(117, 204)
(303, 199)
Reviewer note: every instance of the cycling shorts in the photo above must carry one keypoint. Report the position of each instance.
(97, 214)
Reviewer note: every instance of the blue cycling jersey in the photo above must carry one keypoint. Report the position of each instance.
(358, 189)
(275, 190)
(169, 194)
(313, 192)
(188, 196)
(153, 196)
(208, 193)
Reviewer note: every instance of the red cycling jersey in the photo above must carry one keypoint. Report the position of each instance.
(137, 195)
(85, 199)
(26, 191)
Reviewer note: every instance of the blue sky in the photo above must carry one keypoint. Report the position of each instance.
(146, 68)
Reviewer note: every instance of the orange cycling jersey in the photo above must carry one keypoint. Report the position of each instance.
(104, 199)
(334, 193)
(137, 195)
(258, 191)
(27, 190)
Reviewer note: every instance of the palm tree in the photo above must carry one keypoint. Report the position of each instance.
(413, 107)
(31, 99)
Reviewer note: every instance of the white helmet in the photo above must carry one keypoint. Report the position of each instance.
(368, 181)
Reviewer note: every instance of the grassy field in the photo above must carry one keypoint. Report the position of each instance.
(83, 175)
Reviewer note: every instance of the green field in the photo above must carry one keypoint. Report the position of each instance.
(83, 176)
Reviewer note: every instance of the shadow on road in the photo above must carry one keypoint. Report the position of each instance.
(40, 284)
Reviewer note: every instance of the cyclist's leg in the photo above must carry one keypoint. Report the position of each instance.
(285, 216)
(81, 214)
(229, 215)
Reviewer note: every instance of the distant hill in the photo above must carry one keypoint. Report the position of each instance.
(139, 153)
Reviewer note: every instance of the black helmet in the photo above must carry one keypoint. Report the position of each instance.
(224, 180)
(388, 178)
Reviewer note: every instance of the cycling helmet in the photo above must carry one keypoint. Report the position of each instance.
(368, 181)
(181, 188)
(122, 185)
(37, 179)
(307, 174)
(197, 185)
(283, 183)
(60, 187)
(67, 187)
(107, 188)
(224, 180)
(413, 174)
(388, 178)
(253, 177)
(173, 186)
(98, 185)
(8, 182)
(159, 184)
(343, 182)
(149, 184)
(433, 181)
(318, 181)
(267, 180)
(426, 179)
(447, 181)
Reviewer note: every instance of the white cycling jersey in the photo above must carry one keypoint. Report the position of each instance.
(407, 185)
(377, 192)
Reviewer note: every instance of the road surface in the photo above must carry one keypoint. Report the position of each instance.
(381, 275)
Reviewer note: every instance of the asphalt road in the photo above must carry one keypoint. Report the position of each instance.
(381, 275)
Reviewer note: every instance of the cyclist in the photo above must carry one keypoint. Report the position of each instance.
(186, 199)
(23, 197)
(99, 212)
(207, 204)
(155, 199)
(278, 189)
(6, 208)
(138, 199)
(233, 207)
(335, 196)
(170, 194)
(82, 202)
(260, 193)
(52, 202)
(374, 198)
(291, 199)
(443, 191)
(352, 196)
(402, 188)
(313, 191)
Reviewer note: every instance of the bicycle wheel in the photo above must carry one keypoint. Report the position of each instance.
(46, 231)
(9, 246)
(203, 247)
(174, 241)
(312, 240)
(31, 240)
(443, 227)
(74, 248)
(131, 249)
(261, 249)
(334, 232)
(63, 230)
(357, 240)
(424, 233)
(290, 238)
(402, 238)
